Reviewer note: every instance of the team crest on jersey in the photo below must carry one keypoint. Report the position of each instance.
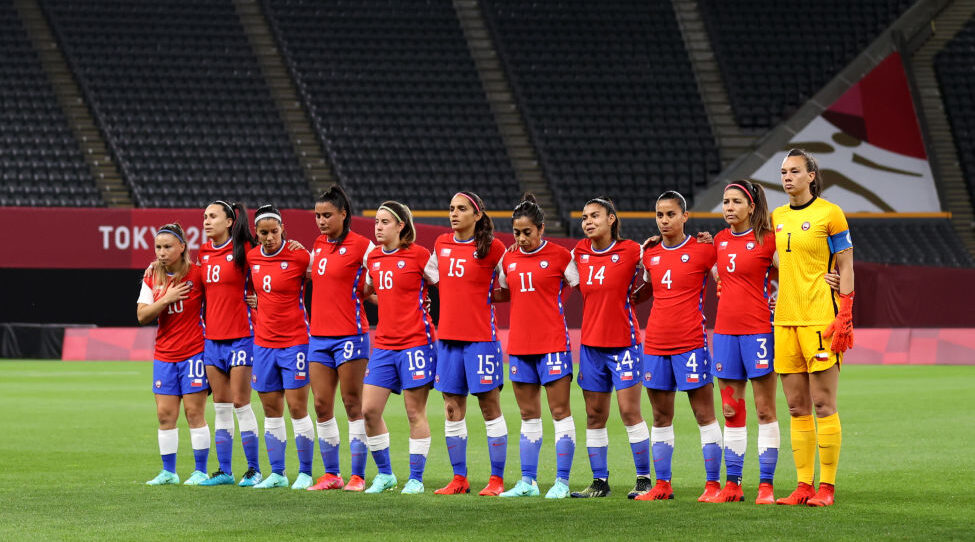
(805, 226)
(750, 245)
(685, 258)
(584, 258)
(655, 260)
(158, 384)
(511, 266)
(401, 264)
(189, 283)
(445, 252)
(342, 250)
(230, 257)
(778, 227)
(615, 258)
(543, 264)
(284, 265)
(206, 258)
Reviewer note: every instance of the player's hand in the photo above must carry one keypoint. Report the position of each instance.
(252, 301)
(176, 292)
(833, 279)
(705, 237)
(771, 303)
(427, 303)
(150, 270)
(295, 245)
(717, 287)
(841, 328)
(512, 248)
(651, 242)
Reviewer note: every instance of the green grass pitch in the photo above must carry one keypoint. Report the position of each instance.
(78, 441)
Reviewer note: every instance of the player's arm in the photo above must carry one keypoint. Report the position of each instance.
(844, 267)
(501, 294)
(147, 312)
(642, 293)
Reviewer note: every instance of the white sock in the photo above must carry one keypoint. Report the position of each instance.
(246, 419)
(736, 439)
(200, 437)
(328, 431)
(419, 446)
(662, 434)
(497, 427)
(638, 432)
(455, 429)
(168, 441)
(597, 438)
(223, 417)
(275, 426)
(378, 442)
(357, 430)
(768, 436)
(710, 433)
(532, 429)
(565, 427)
(303, 427)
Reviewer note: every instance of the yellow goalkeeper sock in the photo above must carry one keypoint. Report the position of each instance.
(803, 431)
(830, 438)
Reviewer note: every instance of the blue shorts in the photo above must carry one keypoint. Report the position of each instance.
(398, 370)
(683, 372)
(225, 355)
(469, 367)
(179, 378)
(602, 369)
(334, 351)
(540, 368)
(277, 369)
(740, 357)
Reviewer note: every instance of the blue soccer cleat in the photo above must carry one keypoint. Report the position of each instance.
(303, 481)
(164, 478)
(382, 482)
(219, 478)
(558, 491)
(273, 480)
(251, 478)
(197, 478)
(413, 487)
(523, 489)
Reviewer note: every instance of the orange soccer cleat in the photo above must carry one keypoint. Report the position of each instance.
(456, 486)
(660, 492)
(765, 494)
(494, 487)
(823, 497)
(327, 481)
(356, 483)
(730, 493)
(802, 494)
(711, 491)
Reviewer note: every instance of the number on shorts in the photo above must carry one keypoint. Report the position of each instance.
(385, 280)
(300, 361)
(195, 368)
(692, 362)
(666, 279)
(762, 350)
(553, 358)
(731, 259)
(820, 335)
(600, 275)
(213, 273)
(485, 364)
(456, 267)
(627, 361)
(321, 266)
(348, 349)
(238, 358)
(531, 287)
(416, 359)
(266, 283)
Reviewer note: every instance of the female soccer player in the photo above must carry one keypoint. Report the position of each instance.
(743, 342)
(404, 357)
(610, 356)
(469, 355)
(229, 351)
(281, 346)
(675, 345)
(813, 327)
(539, 353)
(339, 343)
(174, 295)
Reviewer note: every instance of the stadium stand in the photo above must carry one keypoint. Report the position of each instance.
(396, 99)
(41, 164)
(609, 96)
(181, 101)
(802, 45)
(955, 68)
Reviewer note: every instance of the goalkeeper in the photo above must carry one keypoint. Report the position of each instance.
(813, 325)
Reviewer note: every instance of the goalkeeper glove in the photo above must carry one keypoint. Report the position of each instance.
(841, 328)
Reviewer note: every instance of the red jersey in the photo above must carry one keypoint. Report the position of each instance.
(338, 277)
(606, 279)
(401, 286)
(227, 313)
(535, 280)
(743, 266)
(678, 275)
(279, 280)
(465, 282)
(180, 332)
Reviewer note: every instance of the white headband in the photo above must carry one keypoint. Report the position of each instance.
(262, 216)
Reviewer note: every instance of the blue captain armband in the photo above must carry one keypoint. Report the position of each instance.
(839, 242)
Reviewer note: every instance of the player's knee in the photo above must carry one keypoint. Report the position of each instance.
(323, 408)
(824, 409)
(561, 411)
(297, 411)
(765, 415)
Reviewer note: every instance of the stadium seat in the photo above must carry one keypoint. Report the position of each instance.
(953, 66)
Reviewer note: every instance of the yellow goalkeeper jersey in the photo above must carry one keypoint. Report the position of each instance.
(807, 238)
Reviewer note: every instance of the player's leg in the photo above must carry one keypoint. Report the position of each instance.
(662, 440)
(294, 370)
(194, 407)
(324, 379)
(792, 365)
(763, 389)
(702, 404)
(559, 394)
(597, 442)
(240, 383)
(628, 400)
(223, 412)
(823, 386)
(497, 439)
(167, 412)
(455, 434)
(374, 400)
(351, 375)
(735, 437)
(528, 396)
(415, 400)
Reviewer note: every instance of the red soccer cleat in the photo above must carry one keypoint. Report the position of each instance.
(494, 488)
(660, 492)
(456, 486)
(730, 493)
(711, 491)
(356, 483)
(765, 494)
(824, 497)
(802, 494)
(327, 481)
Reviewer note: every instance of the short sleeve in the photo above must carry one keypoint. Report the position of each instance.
(311, 260)
(571, 273)
(432, 270)
(502, 277)
(838, 231)
(365, 255)
(145, 295)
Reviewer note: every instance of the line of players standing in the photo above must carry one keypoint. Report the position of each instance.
(240, 280)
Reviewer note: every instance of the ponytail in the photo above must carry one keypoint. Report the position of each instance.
(760, 221)
(240, 234)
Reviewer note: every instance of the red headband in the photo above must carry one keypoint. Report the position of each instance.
(474, 203)
(743, 189)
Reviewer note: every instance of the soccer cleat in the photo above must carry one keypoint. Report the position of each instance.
(802, 494)
(197, 478)
(382, 482)
(356, 483)
(273, 480)
(456, 486)
(251, 478)
(765, 494)
(643, 485)
(711, 490)
(598, 488)
(660, 492)
(558, 491)
(522, 489)
(730, 493)
(412, 487)
(327, 481)
(219, 478)
(494, 487)
(823, 497)
(303, 481)
(164, 478)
